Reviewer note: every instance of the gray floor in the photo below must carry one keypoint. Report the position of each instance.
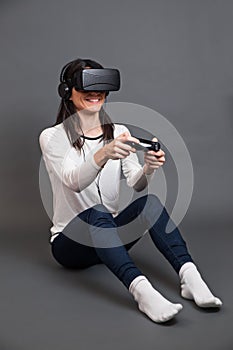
(44, 306)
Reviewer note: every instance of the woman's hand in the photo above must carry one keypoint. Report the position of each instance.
(153, 160)
(116, 149)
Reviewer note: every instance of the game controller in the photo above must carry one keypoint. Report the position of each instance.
(145, 145)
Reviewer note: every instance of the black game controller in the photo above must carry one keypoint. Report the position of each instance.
(145, 145)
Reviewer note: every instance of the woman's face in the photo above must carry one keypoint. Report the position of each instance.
(88, 100)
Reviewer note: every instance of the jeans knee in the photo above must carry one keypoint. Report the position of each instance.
(153, 201)
(153, 208)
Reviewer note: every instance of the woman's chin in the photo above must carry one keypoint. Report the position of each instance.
(93, 108)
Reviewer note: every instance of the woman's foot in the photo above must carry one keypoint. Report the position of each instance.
(194, 288)
(151, 302)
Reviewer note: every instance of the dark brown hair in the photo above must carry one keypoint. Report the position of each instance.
(68, 114)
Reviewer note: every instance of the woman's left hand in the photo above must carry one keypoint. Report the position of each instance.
(153, 160)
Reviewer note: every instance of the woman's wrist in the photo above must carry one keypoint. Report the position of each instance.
(100, 157)
(147, 170)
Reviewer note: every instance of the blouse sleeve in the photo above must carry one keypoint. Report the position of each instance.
(72, 173)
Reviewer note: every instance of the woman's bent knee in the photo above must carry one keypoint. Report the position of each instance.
(151, 200)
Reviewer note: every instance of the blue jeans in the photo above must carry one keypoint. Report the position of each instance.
(107, 234)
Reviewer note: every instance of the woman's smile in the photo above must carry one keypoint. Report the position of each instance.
(93, 99)
(86, 100)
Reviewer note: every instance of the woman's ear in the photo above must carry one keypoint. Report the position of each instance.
(71, 93)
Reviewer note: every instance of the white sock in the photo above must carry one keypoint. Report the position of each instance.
(193, 287)
(151, 302)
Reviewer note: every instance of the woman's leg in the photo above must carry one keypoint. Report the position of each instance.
(114, 255)
(68, 248)
(107, 244)
(72, 254)
(152, 215)
(148, 213)
(107, 248)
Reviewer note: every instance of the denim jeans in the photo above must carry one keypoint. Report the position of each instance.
(108, 233)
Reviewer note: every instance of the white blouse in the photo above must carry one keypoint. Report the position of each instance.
(74, 175)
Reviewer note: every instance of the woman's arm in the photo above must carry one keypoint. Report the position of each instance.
(135, 174)
(74, 173)
(59, 161)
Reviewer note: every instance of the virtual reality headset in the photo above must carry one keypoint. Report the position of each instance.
(105, 79)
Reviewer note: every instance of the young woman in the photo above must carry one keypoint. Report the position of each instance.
(84, 154)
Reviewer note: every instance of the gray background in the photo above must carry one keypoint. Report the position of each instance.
(175, 57)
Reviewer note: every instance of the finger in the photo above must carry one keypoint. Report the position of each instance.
(154, 166)
(133, 139)
(151, 164)
(128, 138)
(118, 150)
(155, 139)
(118, 156)
(125, 146)
(122, 145)
(123, 135)
(160, 163)
(154, 158)
(158, 154)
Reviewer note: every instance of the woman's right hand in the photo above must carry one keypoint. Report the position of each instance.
(118, 148)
